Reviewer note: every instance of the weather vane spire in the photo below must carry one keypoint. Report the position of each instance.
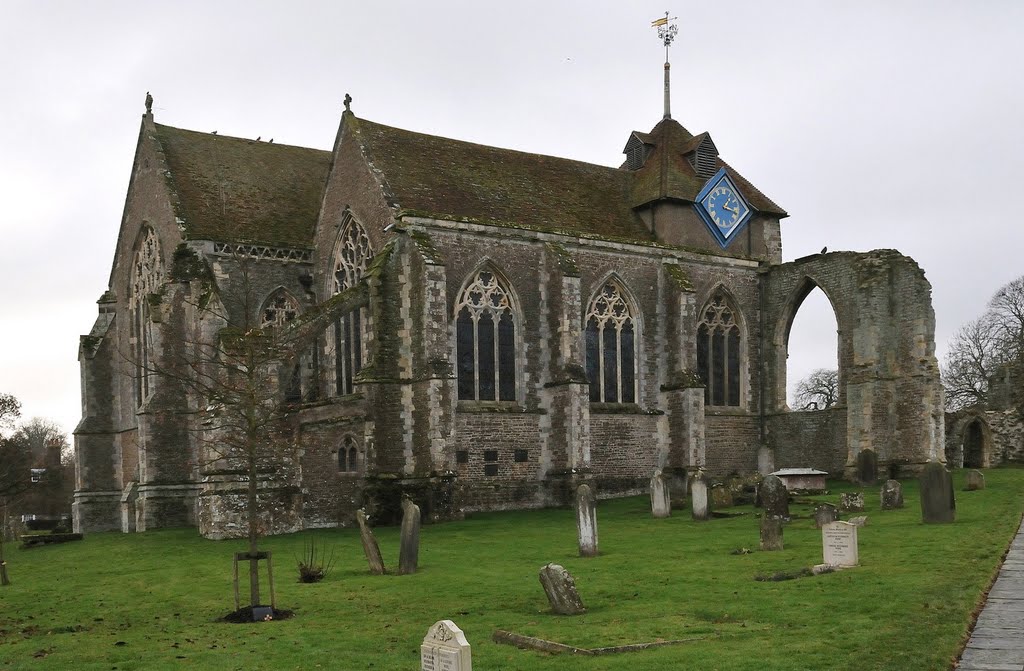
(666, 33)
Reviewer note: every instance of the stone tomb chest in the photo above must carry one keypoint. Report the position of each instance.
(445, 648)
(802, 479)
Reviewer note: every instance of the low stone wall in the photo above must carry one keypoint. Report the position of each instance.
(809, 439)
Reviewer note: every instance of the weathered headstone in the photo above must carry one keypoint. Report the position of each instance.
(937, 503)
(892, 495)
(445, 648)
(560, 588)
(721, 497)
(586, 521)
(867, 467)
(839, 544)
(851, 502)
(859, 521)
(771, 532)
(409, 551)
(700, 496)
(774, 497)
(975, 480)
(661, 498)
(370, 547)
(825, 513)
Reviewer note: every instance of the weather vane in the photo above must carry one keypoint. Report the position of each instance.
(666, 33)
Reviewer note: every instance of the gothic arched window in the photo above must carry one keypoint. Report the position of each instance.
(352, 255)
(348, 456)
(719, 353)
(611, 347)
(485, 340)
(147, 276)
(280, 309)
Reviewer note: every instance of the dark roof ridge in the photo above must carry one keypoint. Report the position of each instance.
(217, 135)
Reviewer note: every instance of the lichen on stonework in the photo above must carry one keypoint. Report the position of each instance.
(679, 277)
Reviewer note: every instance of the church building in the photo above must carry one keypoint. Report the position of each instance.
(491, 328)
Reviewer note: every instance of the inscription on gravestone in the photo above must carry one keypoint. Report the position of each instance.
(839, 544)
(445, 648)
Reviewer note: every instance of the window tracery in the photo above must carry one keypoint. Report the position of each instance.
(719, 353)
(348, 456)
(352, 255)
(611, 347)
(279, 309)
(485, 326)
(146, 280)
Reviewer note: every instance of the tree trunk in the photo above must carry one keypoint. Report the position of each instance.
(253, 515)
(4, 580)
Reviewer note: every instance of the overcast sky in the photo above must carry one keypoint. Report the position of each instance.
(874, 124)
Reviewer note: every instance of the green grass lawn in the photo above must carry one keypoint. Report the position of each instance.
(152, 601)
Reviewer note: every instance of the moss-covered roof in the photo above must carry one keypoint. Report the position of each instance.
(238, 190)
(451, 179)
(671, 143)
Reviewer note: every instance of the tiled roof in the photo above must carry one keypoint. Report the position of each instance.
(238, 190)
(679, 180)
(450, 179)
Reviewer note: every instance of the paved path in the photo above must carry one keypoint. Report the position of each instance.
(997, 643)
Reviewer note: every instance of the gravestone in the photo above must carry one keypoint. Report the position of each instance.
(560, 588)
(409, 551)
(859, 521)
(661, 498)
(771, 532)
(445, 648)
(892, 495)
(700, 496)
(774, 497)
(851, 502)
(937, 503)
(975, 480)
(370, 547)
(839, 544)
(867, 467)
(721, 497)
(825, 513)
(586, 521)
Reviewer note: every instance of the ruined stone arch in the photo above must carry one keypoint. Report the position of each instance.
(487, 337)
(887, 365)
(612, 341)
(971, 442)
(780, 341)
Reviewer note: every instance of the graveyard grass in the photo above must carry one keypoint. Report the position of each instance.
(151, 601)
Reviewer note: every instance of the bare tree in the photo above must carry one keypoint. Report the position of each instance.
(10, 410)
(819, 390)
(15, 473)
(40, 435)
(233, 365)
(983, 346)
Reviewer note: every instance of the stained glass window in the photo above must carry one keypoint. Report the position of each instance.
(485, 350)
(719, 353)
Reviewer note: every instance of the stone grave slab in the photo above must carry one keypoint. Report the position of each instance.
(867, 467)
(771, 533)
(825, 513)
(409, 550)
(370, 547)
(774, 497)
(700, 496)
(445, 648)
(851, 502)
(839, 544)
(809, 480)
(560, 588)
(975, 480)
(892, 495)
(937, 503)
(586, 521)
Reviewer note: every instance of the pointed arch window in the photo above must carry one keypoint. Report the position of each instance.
(720, 353)
(485, 331)
(348, 456)
(278, 310)
(611, 347)
(352, 255)
(147, 276)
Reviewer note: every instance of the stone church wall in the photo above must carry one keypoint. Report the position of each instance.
(809, 439)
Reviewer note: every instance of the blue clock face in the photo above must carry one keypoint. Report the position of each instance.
(722, 207)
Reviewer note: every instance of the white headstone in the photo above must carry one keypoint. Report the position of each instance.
(445, 648)
(586, 521)
(661, 499)
(700, 504)
(839, 544)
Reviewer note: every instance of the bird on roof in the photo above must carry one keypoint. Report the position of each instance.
(258, 137)
(213, 133)
(823, 250)
(271, 140)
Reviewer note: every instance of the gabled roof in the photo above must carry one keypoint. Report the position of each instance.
(437, 177)
(667, 173)
(233, 189)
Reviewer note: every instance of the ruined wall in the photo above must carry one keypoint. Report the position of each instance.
(889, 377)
(809, 439)
(1001, 437)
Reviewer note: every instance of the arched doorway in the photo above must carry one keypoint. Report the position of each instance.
(974, 445)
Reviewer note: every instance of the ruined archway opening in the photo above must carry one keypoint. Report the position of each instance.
(813, 378)
(974, 445)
